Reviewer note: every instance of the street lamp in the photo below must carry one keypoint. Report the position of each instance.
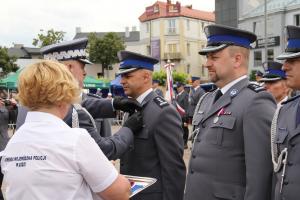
(266, 35)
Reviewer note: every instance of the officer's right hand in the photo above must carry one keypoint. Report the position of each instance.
(134, 122)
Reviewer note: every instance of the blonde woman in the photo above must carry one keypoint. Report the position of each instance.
(46, 159)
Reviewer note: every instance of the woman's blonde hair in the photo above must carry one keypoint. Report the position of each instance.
(46, 84)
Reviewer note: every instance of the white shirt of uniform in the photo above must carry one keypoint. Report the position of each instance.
(229, 85)
(141, 98)
(46, 159)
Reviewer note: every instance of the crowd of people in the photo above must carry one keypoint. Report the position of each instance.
(245, 134)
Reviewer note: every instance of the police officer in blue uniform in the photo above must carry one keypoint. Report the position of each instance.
(274, 80)
(158, 148)
(195, 93)
(229, 158)
(74, 56)
(182, 98)
(285, 125)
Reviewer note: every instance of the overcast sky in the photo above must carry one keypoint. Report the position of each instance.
(22, 20)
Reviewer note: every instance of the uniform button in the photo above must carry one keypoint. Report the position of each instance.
(285, 182)
(290, 163)
(192, 171)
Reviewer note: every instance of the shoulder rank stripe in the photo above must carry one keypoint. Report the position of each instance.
(161, 102)
(255, 87)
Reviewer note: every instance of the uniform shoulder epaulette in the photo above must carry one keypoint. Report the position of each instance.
(255, 87)
(161, 102)
(93, 95)
(291, 99)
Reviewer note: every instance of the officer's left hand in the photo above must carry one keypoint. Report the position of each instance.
(126, 104)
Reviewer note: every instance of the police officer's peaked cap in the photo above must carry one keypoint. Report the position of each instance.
(258, 73)
(273, 72)
(195, 78)
(130, 61)
(179, 84)
(219, 37)
(69, 50)
(155, 81)
(293, 45)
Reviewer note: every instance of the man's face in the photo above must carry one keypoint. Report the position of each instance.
(292, 70)
(195, 83)
(134, 83)
(78, 71)
(220, 67)
(278, 89)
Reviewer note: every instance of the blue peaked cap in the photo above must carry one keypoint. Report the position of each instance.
(130, 61)
(293, 43)
(273, 71)
(220, 37)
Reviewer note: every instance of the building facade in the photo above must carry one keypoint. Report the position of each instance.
(280, 13)
(173, 32)
(227, 12)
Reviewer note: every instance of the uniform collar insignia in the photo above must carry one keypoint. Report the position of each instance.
(233, 92)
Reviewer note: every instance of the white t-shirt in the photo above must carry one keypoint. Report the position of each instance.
(46, 159)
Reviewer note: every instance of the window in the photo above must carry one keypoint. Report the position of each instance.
(188, 24)
(148, 50)
(188, 49)
(188, 69)
(297, 19)
(172, 48)
(156, 9)
(270, 54)
(254, 27)
(202, 25)
(257, 58)
(147, 27)
(172, 26)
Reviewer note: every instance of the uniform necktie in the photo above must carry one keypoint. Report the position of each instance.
(218, 95)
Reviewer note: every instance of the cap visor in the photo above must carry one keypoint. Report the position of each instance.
(209, 49)
(270, 79)
(124, 71)
(86, 61)
(288, 55)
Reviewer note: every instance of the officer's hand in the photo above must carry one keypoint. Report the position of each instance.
(126, 104)
(134, 122)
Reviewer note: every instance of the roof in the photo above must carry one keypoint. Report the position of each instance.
(133, 35)
(272, 6)
(23, 52)
(184, 11)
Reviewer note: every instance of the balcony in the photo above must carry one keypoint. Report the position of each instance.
(172, 56)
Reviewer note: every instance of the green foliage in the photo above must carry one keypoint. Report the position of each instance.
(51, 37)
(252, 75)
(179, 77)
(162, 77)
(7, 63)
(104, 50)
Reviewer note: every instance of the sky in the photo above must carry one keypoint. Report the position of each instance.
(21, 21)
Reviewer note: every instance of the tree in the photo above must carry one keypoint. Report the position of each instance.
(252, 75)
(161, 76)
(104, 50)
(7, 63)
(51, 37)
